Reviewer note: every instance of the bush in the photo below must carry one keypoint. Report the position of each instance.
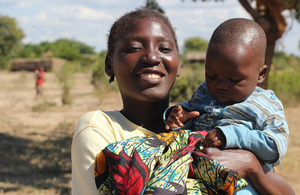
(284, 78)
(186, 84)
(286, 85)
(99, 77)
(43, 106)
(4, 63)
(64, 79)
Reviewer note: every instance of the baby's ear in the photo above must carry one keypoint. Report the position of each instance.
(262, 73)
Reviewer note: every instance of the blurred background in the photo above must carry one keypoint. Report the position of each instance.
(68, 39)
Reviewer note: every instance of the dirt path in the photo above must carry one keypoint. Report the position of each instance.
(35, 135)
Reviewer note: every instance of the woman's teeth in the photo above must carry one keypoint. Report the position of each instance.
(150, 76)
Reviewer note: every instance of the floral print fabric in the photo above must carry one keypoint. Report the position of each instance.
(166, 163)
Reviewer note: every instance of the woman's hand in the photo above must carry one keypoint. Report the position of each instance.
(242, 161)
(247, 165)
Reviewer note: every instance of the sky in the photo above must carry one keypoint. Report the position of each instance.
(89, 21)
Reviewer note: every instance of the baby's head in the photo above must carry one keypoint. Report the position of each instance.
(235, 60)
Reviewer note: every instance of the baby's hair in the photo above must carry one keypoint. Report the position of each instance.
(240, 31)
(123, 24)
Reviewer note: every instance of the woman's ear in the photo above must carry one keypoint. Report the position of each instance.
(109, 68)
(262, 73)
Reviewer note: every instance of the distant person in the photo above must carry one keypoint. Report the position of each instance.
(235, 112)
(39, 75)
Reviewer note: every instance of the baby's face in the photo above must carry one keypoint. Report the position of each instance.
(231, 72)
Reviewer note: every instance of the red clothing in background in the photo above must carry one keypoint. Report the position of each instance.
(40, 77)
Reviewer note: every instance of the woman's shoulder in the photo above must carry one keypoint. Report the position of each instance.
(96, 118)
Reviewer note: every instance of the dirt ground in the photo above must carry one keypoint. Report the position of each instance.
(36, 135)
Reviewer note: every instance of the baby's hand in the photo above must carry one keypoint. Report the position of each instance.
(215, 138)
(178, 116)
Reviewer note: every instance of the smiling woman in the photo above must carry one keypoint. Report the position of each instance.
(143, 57)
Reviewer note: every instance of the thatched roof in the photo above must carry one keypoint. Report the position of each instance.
(30, 64)
(196, 56)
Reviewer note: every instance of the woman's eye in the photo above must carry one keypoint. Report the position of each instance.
(132, 49)
(165, 50)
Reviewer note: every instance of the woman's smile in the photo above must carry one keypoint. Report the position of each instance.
(149, 76)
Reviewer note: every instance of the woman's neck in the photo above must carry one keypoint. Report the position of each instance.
(146, 114)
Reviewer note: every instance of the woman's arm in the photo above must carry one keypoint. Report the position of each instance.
(247, 165)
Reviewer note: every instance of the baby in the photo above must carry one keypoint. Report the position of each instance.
(229, 105)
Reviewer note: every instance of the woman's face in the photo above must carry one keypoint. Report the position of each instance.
(145, 61)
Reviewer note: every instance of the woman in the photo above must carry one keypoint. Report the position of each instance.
(143, 57)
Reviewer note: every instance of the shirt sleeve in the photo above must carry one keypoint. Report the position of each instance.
(87, 143)
(259, 143)
(265, 130)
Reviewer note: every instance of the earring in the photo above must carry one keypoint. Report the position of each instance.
(111, 79)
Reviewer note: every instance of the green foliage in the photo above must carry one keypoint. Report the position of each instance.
(10, 35)
(62, 48)
(191, 77)
(283, 62)
(43, 106)
(4, 63)
(284, 79)
(64, 79)
(153, 5)
(99, 77)
(32, 51)
(195, 44)
(70, 49)
(99, 74)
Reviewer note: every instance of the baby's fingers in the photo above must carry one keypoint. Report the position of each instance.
(177, 111)
(192, 114)
(173, 122)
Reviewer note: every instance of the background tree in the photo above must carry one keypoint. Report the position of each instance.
(269, 15)
(195, 44)
(10, 36)
(70, 49)
(152, 4)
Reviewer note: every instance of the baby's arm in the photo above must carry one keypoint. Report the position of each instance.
(178, 116)
(259, 142)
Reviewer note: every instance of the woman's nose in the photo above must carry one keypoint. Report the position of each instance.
(151, 56)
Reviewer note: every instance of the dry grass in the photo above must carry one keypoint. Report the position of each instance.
(35, 143)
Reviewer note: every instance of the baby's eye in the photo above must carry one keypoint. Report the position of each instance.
(235, 80)
(210, 76)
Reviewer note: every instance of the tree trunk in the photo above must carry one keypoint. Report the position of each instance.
(268, 60)
(268, 15)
